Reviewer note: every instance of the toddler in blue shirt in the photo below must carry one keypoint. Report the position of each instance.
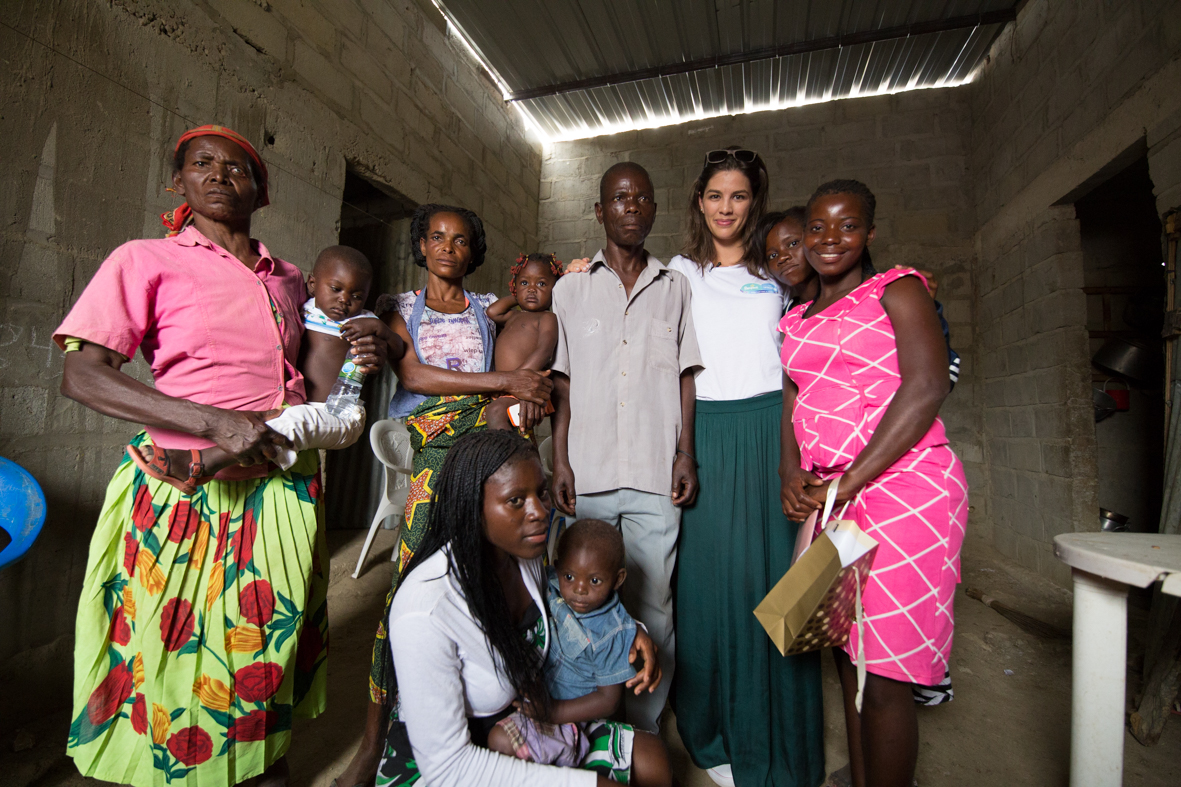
(587, 663)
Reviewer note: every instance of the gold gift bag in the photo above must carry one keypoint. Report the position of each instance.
(817, 601)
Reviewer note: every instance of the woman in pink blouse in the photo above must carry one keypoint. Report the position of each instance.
(202, 626)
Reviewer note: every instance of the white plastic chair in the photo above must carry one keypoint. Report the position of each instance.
(391, 446)
(546, 450)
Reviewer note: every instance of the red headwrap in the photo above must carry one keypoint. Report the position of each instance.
(176, 218)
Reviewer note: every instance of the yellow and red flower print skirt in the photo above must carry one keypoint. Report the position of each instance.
(202, 628)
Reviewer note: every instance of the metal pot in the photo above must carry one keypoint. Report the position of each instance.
(1111, 522)
(1105, 404)
(1130, 358)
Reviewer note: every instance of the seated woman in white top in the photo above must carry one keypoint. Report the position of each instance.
(469, 631)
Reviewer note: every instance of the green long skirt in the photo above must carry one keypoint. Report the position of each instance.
(737, 700)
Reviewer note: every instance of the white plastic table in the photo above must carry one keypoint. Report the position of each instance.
(1104, 565)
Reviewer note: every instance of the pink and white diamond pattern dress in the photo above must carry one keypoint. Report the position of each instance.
(844, 361)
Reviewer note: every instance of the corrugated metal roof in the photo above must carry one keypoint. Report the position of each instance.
(533, 44)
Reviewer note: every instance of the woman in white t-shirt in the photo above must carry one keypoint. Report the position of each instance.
(745, 713)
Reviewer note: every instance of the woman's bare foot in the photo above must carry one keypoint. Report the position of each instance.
(362, 769)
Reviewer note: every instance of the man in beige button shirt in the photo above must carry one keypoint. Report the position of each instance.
(624, 393)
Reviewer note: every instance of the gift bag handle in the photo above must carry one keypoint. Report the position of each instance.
(859, 613)
(830, 502)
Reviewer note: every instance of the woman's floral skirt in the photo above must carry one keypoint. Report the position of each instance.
(434, 426)
(202, 627)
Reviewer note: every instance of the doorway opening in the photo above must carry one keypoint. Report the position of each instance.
(1124, 282)
(375, 220)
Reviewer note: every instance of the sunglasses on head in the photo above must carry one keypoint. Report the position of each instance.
(741, 155)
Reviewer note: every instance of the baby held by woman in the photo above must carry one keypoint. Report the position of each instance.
(587, 664)
(528, 337)
(333, 317)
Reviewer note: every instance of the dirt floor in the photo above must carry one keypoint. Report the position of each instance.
(1002, 729)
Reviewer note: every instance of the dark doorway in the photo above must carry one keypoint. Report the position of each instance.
(1124, 279)
(375, 220)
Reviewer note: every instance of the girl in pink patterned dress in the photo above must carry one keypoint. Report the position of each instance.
(866, 366)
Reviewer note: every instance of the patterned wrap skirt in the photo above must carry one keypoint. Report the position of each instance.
(202, 627)
(434, 426)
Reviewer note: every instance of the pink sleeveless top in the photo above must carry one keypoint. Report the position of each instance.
(844, 361)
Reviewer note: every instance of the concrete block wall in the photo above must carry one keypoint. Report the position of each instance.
(908, 148)
(1053, 79)
(1071, 93)
(319, 86)
(1164, 162)
(421, 115)
(1036, 392)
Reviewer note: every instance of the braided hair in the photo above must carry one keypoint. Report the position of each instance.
(420, 227)
(868, 200)
(457, 519)
(551, 259)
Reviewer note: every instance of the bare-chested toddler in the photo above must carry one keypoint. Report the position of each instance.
(334, 317)
(527, 337)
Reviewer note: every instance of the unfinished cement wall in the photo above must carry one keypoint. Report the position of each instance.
(1072, 93)
(92, 99)
(908, 148)
(1036, 388)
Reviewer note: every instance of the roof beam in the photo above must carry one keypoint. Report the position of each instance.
(815, 45)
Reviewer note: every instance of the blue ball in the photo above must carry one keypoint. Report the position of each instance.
(22, 509)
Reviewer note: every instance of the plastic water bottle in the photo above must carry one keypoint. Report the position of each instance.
(347, 388)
